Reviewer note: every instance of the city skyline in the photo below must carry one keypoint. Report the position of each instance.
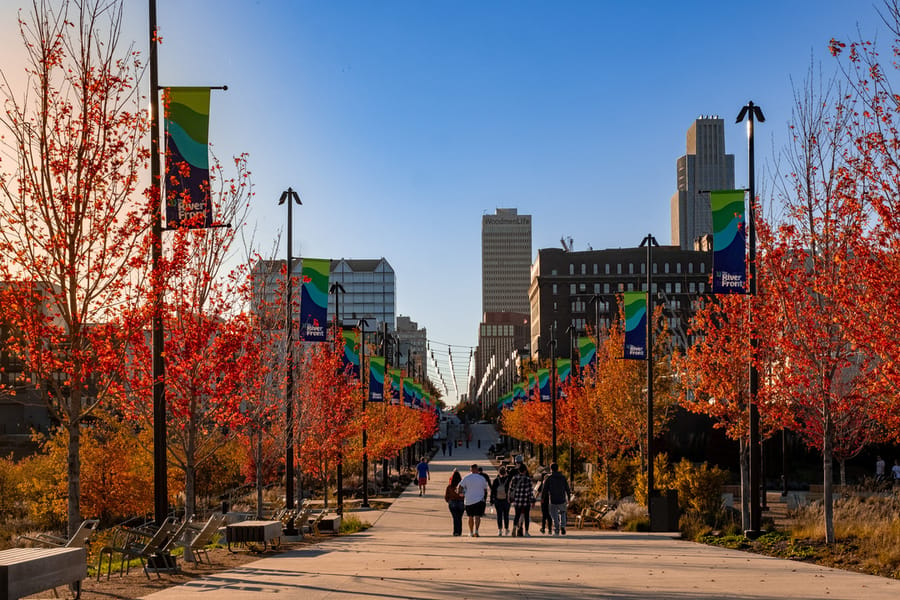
(401, 123)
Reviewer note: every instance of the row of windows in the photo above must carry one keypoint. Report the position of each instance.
(620, 268)
(693, 287)
(497, 330)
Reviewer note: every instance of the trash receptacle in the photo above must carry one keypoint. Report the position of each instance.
(664, 511)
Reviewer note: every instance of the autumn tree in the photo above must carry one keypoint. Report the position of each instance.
(811, 273)
(70, 222)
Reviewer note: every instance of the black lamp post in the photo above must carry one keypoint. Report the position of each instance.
(289, 196)
(573, 335)
(337, 289)
(751, 112)
(362, 380)
(553, 391)
(649, 242)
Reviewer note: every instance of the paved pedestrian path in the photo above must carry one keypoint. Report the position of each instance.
(409, 553)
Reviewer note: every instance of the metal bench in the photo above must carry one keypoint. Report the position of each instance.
(26, 571)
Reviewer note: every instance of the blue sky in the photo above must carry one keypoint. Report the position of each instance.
(401, 122)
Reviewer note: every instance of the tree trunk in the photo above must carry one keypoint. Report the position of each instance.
(828, 468)
(74, 476)
(744, 461)
(259, 482)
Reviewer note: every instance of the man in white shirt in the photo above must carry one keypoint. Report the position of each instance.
(474, 487)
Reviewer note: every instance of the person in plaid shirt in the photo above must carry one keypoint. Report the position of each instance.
(521, 497)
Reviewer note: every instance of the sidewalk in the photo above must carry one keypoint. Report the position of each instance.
(409, 553)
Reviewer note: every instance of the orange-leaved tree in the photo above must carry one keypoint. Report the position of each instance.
(71, 226)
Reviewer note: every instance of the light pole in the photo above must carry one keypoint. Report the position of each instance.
(649, 242)
(751, 112)
(553, 390)
(289, 196)
(574, 359)
(362, 380)
(337, 289)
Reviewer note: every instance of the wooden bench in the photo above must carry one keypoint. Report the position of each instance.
(26, 571)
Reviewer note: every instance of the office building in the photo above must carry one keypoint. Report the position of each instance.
(704, 167)
(579, 289)
(502, 339)
(505, 261)
(413, 347)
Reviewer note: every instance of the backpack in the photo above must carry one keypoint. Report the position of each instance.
(501, 489)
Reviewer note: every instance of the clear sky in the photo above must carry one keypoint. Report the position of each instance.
(400, 123)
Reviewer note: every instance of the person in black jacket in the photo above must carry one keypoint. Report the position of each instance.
(500, 500)
(556, 493)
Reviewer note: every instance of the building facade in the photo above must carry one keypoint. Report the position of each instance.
(413, 347)
(502, 340)
(571, 291)
(505, 261)
(704, 167)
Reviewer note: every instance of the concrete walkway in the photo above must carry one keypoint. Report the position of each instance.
(409, 553)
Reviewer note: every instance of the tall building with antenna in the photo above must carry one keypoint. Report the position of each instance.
(704, 167)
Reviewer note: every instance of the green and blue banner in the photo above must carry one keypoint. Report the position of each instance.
(519, 393)
(543, 376)
(533, 387)
(563, 370)
(635, 304)
(376, 379)
(409, 396)
(729, 242)
(187, 157)
(314, 299)
(396, 392)
(350, 357)
(587, 353)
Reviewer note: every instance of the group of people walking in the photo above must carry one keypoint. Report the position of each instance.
(514, 489)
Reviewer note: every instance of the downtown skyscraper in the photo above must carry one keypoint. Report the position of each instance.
(505, 261)
(705, 167)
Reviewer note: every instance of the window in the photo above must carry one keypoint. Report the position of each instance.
(643, 268)
(665, 267)
(677, 287)
(553, 272)
(596, 268)
(631, 268)
(678, 267)
(630, 287)
(690, 267)
(596, 288)
(669, 288)
(605, 288)
(555, 290)
(655, 268)
(702, 285)
(571, 268)
(702, 269)
(571, 289)
(607, 268)
(692, 286)
(582, 287)
(621, 287)
(619, 269)
(584, 269)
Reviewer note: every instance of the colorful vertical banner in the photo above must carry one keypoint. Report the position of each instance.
(587, 353)
(314, 299)
(543, 376)
(409, 396)
(350, 358)
(729, 242)
(635, 325)
(533, 388)
(519, 393)
(187, 157)
(563, 370)
(396, 393)
(376, 379)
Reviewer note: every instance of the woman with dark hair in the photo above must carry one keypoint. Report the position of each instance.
(455, 502)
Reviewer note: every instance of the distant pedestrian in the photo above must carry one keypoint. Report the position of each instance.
(475, 489)
(455, 502)
(895, 472)
(500, 500)
(879, 469)
(423, 474)
(546, 523)
(485, 475)
(443, 448)
(557, 493)
(521, 497)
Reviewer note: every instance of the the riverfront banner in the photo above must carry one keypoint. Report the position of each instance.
(635, 325)
(729, 242)
(396, 393)
(543, 376)
(351, 351)
(314, 299)
(376, 379)
(587, 351)
(187, 157)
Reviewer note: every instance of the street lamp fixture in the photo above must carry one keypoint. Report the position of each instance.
(650, 242)
(289, 196)
(338, 290)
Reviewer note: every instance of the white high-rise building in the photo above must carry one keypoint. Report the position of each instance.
(505, 261)
(704, 168)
